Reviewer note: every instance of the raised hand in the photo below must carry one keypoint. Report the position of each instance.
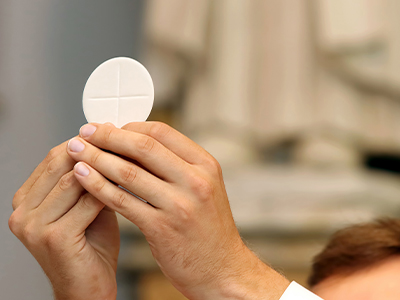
(69, 232)
(187, 220)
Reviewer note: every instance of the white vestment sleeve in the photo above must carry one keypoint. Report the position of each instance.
(296, 292)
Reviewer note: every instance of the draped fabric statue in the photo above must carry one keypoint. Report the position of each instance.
(320, 74)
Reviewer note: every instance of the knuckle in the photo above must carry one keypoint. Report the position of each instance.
(146, 144)
(108, 134)
(52, 167)
(202, 187)
(85, 201)
(94, 159)
(128, 174)
(119, 199)
(18, 197)
(214, 166)
(184, 211)
(98, 186)
(14, 223)
(53, 153)
(66, 182)
(30, 234)
(159, 130)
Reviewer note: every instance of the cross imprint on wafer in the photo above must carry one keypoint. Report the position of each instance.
(118, 98)
(119, 91)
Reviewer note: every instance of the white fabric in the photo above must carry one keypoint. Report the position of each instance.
(296, 292)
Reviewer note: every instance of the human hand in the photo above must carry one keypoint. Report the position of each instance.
(187, 220)
(69, 232)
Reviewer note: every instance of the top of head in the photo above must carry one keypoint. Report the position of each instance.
(119, 91)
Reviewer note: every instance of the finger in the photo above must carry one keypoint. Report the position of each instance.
(82, 214)
(53, 171)
(151, 154)
(53, 153)
(128, 175)
(135, 210)
(26, 187)
(170, 138)
(61, 199)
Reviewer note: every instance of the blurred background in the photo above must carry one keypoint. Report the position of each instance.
(299, 100)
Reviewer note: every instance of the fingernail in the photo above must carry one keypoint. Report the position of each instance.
(87, 130)
(81, 169)
(75, 145)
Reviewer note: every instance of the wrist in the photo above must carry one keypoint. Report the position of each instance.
(84, 294)
(74, 296)
(252, 279)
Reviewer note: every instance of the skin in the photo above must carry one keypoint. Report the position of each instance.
(71, 234)
(380, 281)
(187, 220)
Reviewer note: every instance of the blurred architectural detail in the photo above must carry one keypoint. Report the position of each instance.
(290, 97)
(321, 73)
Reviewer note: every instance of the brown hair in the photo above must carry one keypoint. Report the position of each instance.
(355, 248)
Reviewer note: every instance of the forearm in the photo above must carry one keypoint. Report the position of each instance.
(247, 278)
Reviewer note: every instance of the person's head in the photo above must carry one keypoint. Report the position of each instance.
(361, 262)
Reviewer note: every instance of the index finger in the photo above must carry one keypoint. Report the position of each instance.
(36, 174)
(172, 139)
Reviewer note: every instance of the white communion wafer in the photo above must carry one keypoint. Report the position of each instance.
(119, 91)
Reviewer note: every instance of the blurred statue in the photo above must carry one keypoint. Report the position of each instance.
(321, 75)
